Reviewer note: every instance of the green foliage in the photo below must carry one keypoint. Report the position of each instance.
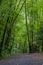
(21, 26)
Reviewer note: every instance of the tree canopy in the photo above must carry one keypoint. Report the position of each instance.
(21, 26)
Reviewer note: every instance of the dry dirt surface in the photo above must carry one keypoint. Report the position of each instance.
(23, 59)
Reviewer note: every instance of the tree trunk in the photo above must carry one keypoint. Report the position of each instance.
(42, 44)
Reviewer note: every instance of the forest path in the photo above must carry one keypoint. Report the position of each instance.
(23, 59)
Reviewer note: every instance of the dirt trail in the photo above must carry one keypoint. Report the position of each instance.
(23, 59)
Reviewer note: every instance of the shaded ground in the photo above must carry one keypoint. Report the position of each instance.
(23, 59)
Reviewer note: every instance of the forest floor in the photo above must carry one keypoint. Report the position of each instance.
(23, 59)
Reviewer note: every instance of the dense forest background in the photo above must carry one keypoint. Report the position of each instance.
(21, 26)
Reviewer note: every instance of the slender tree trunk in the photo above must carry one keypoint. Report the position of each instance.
(1, 45)
(42, 45)
(26, 25)
(0, 2)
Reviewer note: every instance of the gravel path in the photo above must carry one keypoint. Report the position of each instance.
(23, 59)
